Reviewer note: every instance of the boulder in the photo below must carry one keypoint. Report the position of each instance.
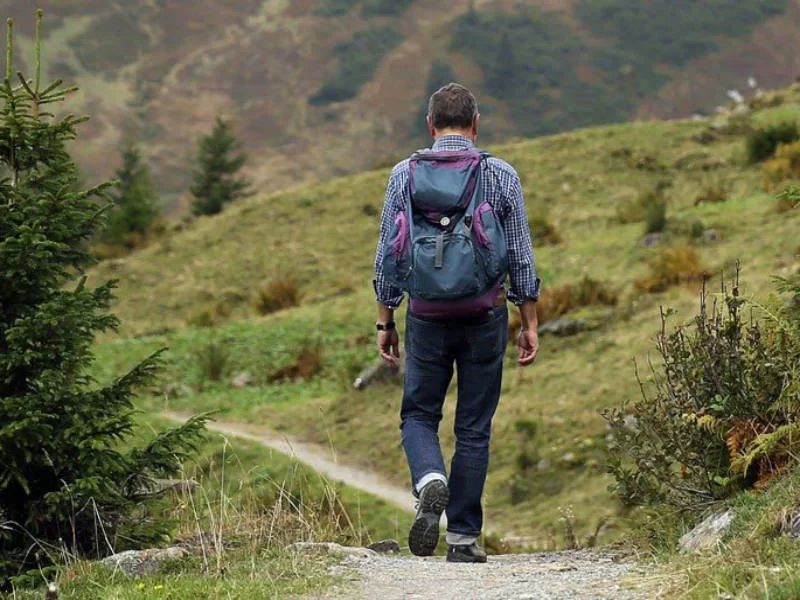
(788, 523)
(708, 533)
(563, 327)
(136, 563)
(381, 372)
(651, 240)
(334, 550)
(710, 236)
(242, 380)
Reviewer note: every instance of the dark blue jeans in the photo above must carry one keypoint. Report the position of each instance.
(477, 349)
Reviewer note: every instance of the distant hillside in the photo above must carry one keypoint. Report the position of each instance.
(194, 292)
(320, 88)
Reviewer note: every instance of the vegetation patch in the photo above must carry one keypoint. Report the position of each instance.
(675, 265)
(278, 294)
(358, 59)
(762, 142)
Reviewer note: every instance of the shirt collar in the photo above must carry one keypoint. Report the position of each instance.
(452, 142)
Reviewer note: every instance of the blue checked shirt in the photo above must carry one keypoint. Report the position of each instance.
(503, 189)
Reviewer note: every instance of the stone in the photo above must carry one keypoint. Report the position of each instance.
(788, 523)
(381, 372)
(563, 327)
(136, 563)
(708, 533)
(651, 240)
(385, 547)
(544, 464)
(242, 380)
(334, 550)
(710, 236)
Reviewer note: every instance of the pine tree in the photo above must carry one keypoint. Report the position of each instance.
(66, 484)
(219, 161)
(135, 202)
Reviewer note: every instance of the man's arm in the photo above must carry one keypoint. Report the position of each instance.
(388, 297)
(525, 284)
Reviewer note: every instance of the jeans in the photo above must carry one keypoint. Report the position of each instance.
(432, 348)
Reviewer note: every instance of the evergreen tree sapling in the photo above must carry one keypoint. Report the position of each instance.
(216, 177)
(135, 201)
(67, 486)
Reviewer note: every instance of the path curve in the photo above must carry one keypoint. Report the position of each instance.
(321, 459)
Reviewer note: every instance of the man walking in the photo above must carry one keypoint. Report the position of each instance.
(453, 228)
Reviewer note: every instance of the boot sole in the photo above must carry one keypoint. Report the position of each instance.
(456, 558)
(424, 535)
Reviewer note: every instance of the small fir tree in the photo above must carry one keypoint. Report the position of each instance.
(67, 485)
(216, 177)
(135, 202)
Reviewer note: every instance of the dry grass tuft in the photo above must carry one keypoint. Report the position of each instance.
(308, 364)
(675, 265)
(278, 294)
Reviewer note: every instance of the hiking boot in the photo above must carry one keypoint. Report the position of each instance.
(424, 535)
(466, 554)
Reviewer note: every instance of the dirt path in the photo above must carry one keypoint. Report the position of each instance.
(581, 575)
(321, 459)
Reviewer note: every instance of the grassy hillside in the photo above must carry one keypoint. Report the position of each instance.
(587, 183)
(322, 88)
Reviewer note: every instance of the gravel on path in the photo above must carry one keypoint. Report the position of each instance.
(579, 575)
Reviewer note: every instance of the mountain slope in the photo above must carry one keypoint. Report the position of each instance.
(323, 236)
(320, 88)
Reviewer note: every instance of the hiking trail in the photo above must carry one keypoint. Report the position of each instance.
(567, 575)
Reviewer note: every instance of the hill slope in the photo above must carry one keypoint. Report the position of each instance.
(320, 88)
(323, 236)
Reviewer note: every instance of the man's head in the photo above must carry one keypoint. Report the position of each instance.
(453, 110)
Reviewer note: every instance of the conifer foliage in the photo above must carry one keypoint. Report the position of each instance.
(135, 201)
(216, 178)
(67, 486)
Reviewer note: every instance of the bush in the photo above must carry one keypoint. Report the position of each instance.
(785, 166)
(212, 361)
(762, 142)
(788, 199)
(655, 213)
(722, 413)
(674, 265)
(543, 232)
(307, 365)
(714, 191)
(279, 294)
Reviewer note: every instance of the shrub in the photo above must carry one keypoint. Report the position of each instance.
(788, 199)
(785, 166)
(307, 365)
(721, 415)
(557, 302)
(655, 212)
(543, 232)
(674, 265)
(212, 361)
(713, 191)
(697, 230)
(762, 142)
(278, 294)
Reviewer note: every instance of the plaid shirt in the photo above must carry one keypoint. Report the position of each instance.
(503, 189)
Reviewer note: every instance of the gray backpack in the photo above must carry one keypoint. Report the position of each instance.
(447, 249)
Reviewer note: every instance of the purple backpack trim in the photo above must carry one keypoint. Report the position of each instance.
(401, 242)
(477, 224)
(458, 309)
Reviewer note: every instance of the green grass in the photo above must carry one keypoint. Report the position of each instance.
(752, 562)
(325, 237)
(258, 501)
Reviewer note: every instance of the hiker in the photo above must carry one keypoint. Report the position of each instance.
(453, 229)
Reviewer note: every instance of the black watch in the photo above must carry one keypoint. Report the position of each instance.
(388, 326)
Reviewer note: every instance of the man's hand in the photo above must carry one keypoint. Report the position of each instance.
(389, 346)
(528, 343)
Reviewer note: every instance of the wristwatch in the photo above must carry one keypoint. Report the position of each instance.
(388, 326)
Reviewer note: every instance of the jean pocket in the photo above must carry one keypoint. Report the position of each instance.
(424, 341)
(488, 341)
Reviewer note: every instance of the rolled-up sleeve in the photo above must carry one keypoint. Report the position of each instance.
(385, 293)
(521, 262)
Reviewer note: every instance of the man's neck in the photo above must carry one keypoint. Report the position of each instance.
(449, 132)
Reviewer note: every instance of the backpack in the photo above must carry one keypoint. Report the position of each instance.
(447, 247)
